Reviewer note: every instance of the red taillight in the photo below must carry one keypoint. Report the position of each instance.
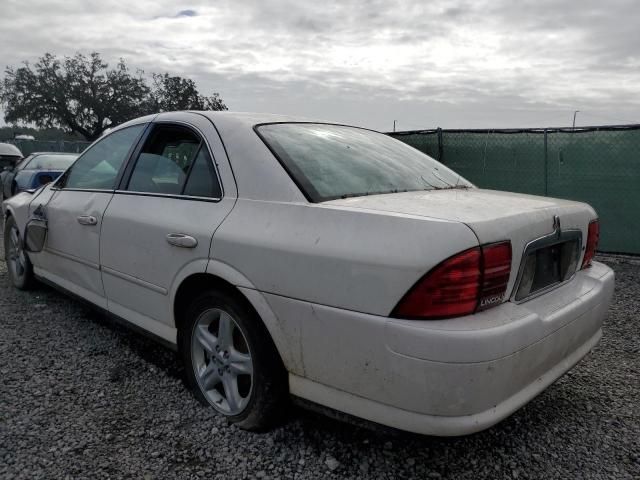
(472, 280)
(495, 275)
(592, 243)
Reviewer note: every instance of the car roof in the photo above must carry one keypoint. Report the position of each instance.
(10, 150)
(54, 153)
(249, 118)
(226, 118)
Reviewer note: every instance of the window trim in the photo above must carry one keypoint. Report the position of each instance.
(63, 178)
(133, 160)
(170, 195)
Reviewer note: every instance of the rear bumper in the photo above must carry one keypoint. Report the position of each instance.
(436, 424)
(451, 377)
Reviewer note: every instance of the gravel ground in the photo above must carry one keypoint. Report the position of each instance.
(83, 398)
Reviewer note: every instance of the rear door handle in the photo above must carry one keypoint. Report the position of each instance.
(87, 220)
(182, 240)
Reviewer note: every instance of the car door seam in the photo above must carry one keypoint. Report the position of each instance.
(100, 266)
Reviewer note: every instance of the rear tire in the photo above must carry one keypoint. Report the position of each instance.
(231, 362)
(18, 264)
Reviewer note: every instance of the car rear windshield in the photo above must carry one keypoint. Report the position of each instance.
(50, 162)
(335, 161)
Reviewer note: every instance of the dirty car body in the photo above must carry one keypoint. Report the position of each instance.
(390, 287)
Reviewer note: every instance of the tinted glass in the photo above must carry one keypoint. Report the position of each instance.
(50, 162)
(202, 180)
(332, 161)
(98, 167)
(165, 160)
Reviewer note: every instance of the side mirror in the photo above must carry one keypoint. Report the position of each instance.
(35, 235)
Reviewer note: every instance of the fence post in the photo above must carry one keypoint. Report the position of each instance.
(546, 165)
(440, 144)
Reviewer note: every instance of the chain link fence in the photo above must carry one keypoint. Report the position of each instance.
(27, 147)
(597, 165)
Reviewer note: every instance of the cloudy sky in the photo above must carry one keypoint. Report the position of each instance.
(455, 64)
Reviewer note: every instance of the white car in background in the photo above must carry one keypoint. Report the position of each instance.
(328, 262)
(10, 155)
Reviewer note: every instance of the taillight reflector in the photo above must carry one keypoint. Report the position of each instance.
(472, 280)
(593, 236)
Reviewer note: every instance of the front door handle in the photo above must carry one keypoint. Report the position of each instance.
(87, 220)
(182, 240)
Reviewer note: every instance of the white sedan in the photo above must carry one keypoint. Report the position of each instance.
(327, 262)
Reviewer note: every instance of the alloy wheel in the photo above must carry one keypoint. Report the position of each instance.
(17, 261)
(222, 361)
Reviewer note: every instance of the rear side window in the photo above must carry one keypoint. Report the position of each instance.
(202, 179)
(174, 161)
(98, 167)
(334, 161)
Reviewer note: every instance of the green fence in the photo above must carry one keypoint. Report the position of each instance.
(29, 146)
(597, 165)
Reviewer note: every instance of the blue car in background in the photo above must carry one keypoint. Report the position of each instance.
(34, 171)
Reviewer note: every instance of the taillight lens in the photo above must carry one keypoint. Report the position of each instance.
(450, 289)
(495, 274)
(592, 243)
(469, 281)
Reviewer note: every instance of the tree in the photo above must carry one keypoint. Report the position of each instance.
(177, 93)
(83, 95)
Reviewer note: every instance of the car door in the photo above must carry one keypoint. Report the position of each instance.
(158, 227)
(71, 258)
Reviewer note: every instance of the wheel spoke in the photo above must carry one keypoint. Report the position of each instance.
(240, 363)
(15, 255)
(209, 377)
(206, 339)
(21, 260)
(225, 331)
(15, 239)
(231, 393)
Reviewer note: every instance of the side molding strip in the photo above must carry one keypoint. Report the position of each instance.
(136, 280)
(73, 258)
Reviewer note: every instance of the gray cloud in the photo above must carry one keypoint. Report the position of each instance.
(453, 63)
(187, 13)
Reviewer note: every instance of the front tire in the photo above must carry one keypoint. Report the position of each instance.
(18, 264)
(231, 362)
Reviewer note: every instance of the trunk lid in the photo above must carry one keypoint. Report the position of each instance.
(492, 215)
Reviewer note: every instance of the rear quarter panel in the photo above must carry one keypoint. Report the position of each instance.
(353, 259)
